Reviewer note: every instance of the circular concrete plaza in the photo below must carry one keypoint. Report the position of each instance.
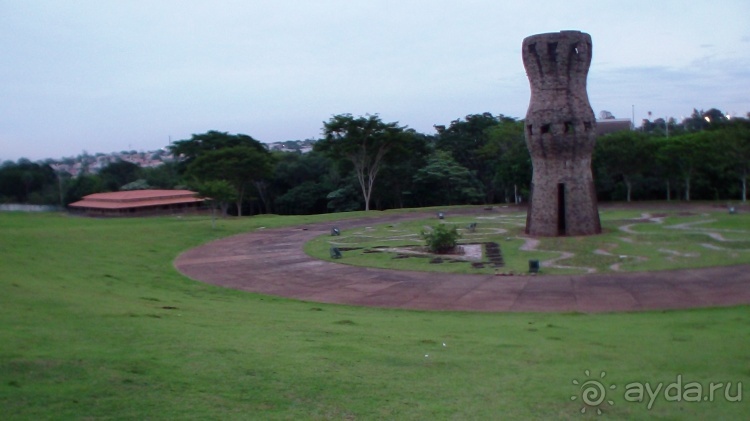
(272, 261)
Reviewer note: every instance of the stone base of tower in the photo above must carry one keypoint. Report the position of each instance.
(562, 207)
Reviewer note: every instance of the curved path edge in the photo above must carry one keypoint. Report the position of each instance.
(273, 262)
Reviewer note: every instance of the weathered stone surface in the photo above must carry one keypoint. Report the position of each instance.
(560, 135)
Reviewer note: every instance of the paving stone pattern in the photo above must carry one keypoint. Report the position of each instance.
(273, 262)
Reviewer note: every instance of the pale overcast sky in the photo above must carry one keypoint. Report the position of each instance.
(107, 75)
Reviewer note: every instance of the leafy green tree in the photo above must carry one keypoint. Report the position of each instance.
(239, 166)
(396, 186)
(506, 147)
(307, 198)
(345, 198)
(467, 140)
(695, 122)
(714, 117)
(626, 155)
(292, 169)
(214, 146)
(118, 174)
(688, 155)
(164, 176)
(364, 142)
(445, 181)
(734, 140)
(218, 193)
(188, 150)
(702, 120)
(83, 185)
(665, 168)
(27, 182)
(301, 182)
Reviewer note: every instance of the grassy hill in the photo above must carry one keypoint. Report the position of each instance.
(95, 323)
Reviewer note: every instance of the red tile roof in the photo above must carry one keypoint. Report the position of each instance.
(136, 199)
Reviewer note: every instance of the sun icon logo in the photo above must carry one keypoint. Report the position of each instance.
(593, 392)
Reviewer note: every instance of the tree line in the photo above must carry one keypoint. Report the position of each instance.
(705, 157)
(365, 163)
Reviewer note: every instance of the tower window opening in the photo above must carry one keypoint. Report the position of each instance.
(552, 51)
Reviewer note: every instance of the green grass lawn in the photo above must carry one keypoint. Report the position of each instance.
(95, 323)
(629, 242)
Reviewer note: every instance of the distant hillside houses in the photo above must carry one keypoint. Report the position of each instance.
(92, 164)
(301, 146)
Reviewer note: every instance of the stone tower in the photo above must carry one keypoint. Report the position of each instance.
(560, 135)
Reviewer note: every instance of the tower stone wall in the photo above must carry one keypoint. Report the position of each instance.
(560, 135)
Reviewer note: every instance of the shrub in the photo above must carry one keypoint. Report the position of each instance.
(441, 238)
